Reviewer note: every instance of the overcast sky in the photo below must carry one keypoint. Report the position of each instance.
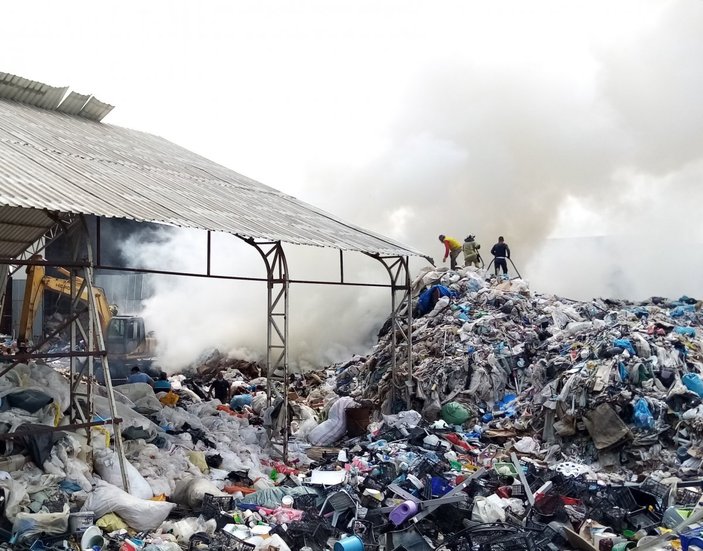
(535, 120)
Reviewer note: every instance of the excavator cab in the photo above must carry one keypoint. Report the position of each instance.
(124, 334)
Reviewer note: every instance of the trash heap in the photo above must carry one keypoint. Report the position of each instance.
(535, 422)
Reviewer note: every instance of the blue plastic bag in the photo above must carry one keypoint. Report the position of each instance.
(693, 382)
(625, 344)
(642, 417)
(688, 331)
(680, 311)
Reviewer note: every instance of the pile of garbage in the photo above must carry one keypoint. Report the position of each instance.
(532, 422)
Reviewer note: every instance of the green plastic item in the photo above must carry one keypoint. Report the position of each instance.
(455, 413)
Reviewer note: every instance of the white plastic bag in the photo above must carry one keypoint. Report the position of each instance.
(335, 427)
(107, 465)
(191, 491)
(27, 525)
(141, 514)
(488, 509)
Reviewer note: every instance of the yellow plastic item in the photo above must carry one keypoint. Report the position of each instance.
(57, 414)
(106, 433)
(111, 522)
(160, 497)
(170, 399)
(198, 459)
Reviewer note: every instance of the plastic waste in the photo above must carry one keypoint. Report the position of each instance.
(455, 413)
(693, 382)
(140, 514)
(642, 416)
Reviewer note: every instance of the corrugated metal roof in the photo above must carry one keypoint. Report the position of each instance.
(59, 162)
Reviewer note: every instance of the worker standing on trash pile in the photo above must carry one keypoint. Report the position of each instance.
(137, 376)
(471, 248)
(220, 388)
(501, 252)
(452, 248)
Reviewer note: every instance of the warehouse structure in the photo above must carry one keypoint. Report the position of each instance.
(63, 171)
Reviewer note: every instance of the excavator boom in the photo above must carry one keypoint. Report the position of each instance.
(38, 282)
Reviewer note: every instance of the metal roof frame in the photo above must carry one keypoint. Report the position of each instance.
(59, 164)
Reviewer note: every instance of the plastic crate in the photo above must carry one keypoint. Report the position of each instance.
(214, 505)
(658, 490)
(687, 498)
(623, 498)
(306, 502)
(224, 541)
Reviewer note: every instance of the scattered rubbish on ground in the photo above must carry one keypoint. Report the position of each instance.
(535, 422)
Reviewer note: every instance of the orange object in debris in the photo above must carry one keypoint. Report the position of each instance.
(160, 497)
(227, 410)
(235, 489)
(170, 399)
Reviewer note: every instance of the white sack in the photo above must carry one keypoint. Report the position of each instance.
(190, 492)
(140, 514)
(27, 525)
(107, 465)
(335, 427)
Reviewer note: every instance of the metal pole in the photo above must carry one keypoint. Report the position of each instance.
(116, 422)
(409, 334)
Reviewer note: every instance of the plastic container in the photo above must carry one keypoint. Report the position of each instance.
(352, 543)
(403, 512)
(80, 522)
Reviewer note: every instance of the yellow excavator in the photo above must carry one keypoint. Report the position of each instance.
(126, 340)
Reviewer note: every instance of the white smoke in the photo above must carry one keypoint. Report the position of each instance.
(506, 148)
(496, 140)
(192, 314)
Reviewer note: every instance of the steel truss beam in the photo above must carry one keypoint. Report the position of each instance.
(277, 310)
(401, 322)
(81, 374)
(61, 222)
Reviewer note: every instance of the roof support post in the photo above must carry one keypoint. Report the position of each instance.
(4, 277)
(82, 407)
(277, 310)
(401, 324)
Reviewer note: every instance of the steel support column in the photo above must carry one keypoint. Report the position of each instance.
(278, 283)
(401, 322)
(81, 375)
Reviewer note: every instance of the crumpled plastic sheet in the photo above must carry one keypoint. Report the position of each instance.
(38, 377)
(141, 395)
(27, 525)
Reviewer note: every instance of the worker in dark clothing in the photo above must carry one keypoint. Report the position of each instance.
(220, 388)
(452, 249)
(501, 252)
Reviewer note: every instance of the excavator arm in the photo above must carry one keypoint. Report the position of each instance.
(38, 282)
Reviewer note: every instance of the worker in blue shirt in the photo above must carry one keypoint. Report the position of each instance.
(138, 377)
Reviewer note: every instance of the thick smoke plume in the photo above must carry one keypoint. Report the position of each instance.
(518, 146)
(584, 149)
(192, 314)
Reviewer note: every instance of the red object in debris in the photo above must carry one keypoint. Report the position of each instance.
(227, 410)
(504, 492)
(458, 441)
